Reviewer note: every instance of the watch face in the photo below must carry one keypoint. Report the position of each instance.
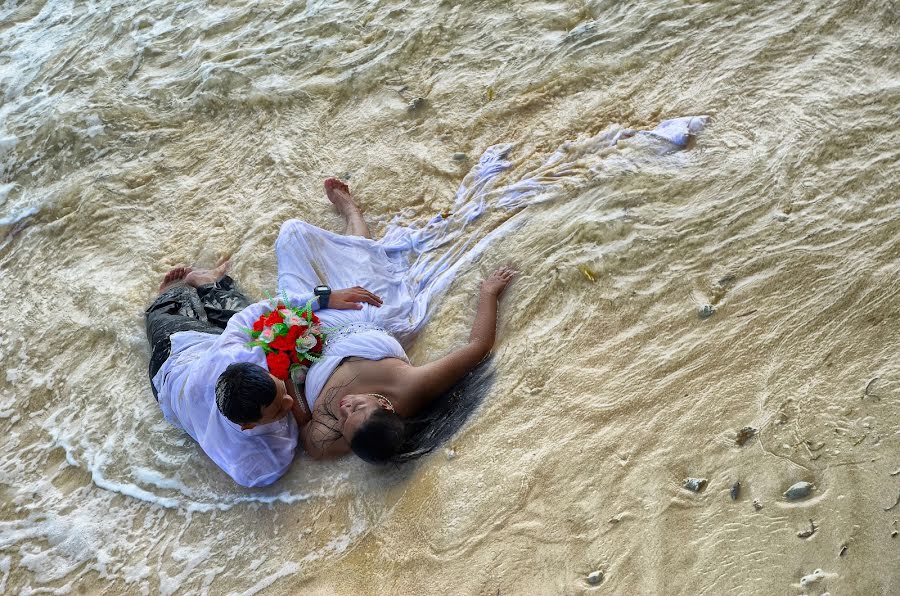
(322, 290)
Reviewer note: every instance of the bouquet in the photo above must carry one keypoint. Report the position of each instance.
(291, 339)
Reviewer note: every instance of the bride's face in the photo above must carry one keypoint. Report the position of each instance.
(355, 409)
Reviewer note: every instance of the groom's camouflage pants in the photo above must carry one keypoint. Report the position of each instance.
(183, 308)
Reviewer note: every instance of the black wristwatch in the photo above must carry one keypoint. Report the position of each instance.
(324, 293)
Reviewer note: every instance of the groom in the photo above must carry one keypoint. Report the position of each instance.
(197, 339)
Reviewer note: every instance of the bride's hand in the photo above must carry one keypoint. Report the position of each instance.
(352, 299)
(497, 281)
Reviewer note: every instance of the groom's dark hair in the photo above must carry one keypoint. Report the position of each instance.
(243, 390)
(379, 439)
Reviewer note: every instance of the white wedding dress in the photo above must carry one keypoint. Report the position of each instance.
(413, 264)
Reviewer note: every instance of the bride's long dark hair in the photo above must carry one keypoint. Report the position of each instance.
(379, 439)
(445, 416)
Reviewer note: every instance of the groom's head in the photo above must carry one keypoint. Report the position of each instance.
(248, 395)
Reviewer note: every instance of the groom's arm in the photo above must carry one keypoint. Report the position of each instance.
(300, 410)
(346, 299)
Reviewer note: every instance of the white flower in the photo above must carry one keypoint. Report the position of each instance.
(267, 335)
(298, 375)
(306, 343)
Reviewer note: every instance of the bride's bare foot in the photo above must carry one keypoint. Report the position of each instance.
(201, 277)
(175, 275)
(339, 194)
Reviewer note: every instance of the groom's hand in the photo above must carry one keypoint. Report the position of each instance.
(353, 299)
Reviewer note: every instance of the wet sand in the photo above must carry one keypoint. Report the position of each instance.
(136, 138)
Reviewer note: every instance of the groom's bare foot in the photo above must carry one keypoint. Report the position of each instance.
(201, 277)
(175, 275)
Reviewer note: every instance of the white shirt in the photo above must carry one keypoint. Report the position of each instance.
(186, 383)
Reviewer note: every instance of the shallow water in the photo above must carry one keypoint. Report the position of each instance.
(134, 138)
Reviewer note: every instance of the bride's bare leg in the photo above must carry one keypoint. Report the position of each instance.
(339, 194)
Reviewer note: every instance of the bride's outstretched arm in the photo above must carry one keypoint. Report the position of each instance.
(434, 379)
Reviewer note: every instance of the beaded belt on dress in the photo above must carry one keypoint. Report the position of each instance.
(336, 335)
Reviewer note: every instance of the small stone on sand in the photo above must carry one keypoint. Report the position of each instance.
(801, 490)
(595, 577)
(811, 578)
(694, 484)
(706, 311)
(809, 532)
(744, 435)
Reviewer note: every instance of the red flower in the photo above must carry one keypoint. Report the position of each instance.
(315, 319)
(260, 323)
(274, 318)
(279, 364)
(282, 343)
(294, 333)
(317, 349)
(295, 357)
